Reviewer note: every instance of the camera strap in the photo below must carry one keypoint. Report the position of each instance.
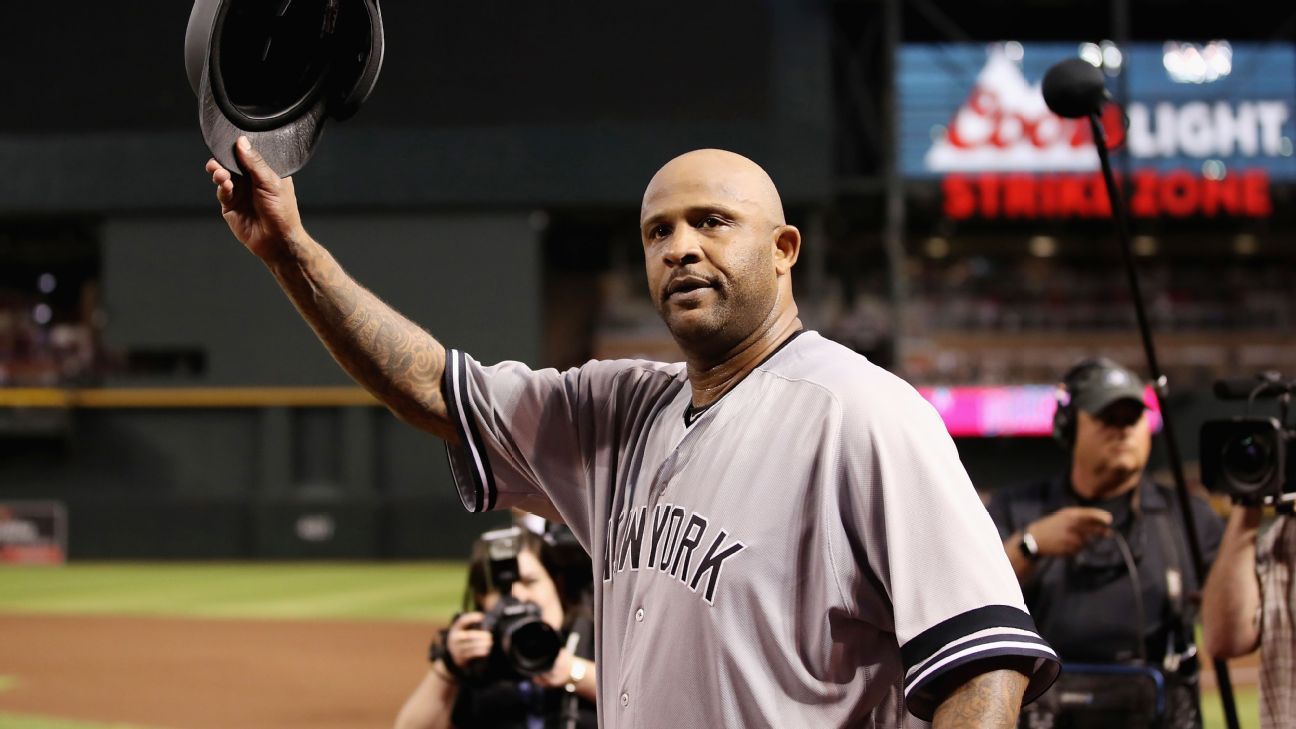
(440, 650)
(1179, 644)
(1140, 613)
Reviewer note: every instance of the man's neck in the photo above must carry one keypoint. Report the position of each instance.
(712, 379)
(1097, 487)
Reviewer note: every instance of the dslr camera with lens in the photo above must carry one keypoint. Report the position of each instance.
(1251, 458)
(524, 645)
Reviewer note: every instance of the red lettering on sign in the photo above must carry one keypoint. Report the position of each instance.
(988, 195)
(1225, 194)
(1071, 197)
(1019, 197)
(980, 103)
(1177, 193)
(982, 122)
(960, 201)
(1096, 193)
(1142, 202)
(1255, 193)
(1113, 124)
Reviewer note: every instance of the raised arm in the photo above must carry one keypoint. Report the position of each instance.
(1231, 600)
(393, 358)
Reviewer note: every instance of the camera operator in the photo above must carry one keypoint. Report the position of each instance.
(1099, 550)
(1248, 604)
(471, 684)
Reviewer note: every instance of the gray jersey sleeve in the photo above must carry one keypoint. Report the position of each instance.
(928, 540)
(529, 438)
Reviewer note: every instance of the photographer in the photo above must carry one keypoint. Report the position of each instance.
(471, 683)
(1099, 550)
(1248, 604)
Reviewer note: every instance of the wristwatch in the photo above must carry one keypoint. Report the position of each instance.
(577, 673)
(1029, 546)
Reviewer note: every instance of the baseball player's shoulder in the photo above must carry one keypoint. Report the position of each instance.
(598, 373)
(862, 389)
(632, 369)
(629, 374)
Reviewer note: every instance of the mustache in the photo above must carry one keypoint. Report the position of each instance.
(685, 279)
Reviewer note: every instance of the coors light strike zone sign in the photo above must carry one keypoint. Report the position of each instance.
(1195, 148)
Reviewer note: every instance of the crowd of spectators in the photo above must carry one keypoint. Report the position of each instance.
(46, 344)
(986, 321)
(1033, 295)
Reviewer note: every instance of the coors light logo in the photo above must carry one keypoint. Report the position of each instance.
(1004, 125)
(1005, 155)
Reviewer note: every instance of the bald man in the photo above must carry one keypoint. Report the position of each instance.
(782, 532)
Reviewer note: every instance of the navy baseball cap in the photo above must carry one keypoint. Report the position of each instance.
(275, 71)
(1095, 387)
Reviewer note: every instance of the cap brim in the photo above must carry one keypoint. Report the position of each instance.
(286, 149)
(1095, 402)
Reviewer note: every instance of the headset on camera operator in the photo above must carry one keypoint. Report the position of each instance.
(1103, 562)
(1250, 594)
(521, 656)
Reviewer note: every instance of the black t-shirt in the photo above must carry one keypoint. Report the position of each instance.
(507, 704)
(1121, 508)
(1085, 605)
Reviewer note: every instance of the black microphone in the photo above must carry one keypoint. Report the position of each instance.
(1073, 88)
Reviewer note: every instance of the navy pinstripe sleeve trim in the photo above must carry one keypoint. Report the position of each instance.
(455, 387)
(922, 646)
(987, 632)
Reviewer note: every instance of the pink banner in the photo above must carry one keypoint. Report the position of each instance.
(1018, 410)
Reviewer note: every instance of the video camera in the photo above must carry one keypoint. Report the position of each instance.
(1249, 457)
(524, 645)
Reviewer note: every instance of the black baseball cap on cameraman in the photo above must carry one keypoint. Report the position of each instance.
(1093, 385)
(1102, 383)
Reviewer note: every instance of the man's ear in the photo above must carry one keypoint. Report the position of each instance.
(787, 246)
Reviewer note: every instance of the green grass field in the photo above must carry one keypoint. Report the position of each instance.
(342, 591)
(1248, 707)
(23, 721)
(288, 591)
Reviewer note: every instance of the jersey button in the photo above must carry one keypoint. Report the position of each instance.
(639, 615)
(625, 699)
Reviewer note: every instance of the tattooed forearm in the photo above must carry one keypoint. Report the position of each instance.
(986, 701)
(392, 357)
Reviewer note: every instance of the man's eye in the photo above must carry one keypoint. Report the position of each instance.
(660, 231)
(710, 221)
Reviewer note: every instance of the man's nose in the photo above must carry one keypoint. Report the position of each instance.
(682, 247)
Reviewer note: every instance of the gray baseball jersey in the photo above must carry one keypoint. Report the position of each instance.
(808, 552)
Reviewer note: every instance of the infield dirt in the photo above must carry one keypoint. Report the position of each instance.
(174, 673)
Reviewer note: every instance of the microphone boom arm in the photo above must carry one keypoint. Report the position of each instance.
(1161, 390)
